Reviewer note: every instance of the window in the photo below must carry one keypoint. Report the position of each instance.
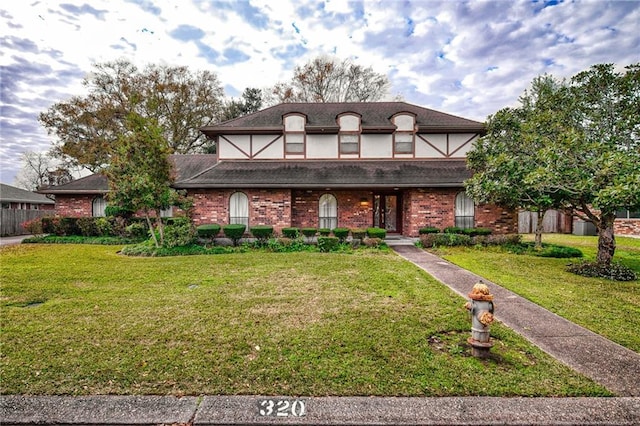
(98, 207)
(465, 211)
(239, 209)
(349, 143)
(627, 214)
(403, 142)
(294, 143)
(168, 212)
(328, 212)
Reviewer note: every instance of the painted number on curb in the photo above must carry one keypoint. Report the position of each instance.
(282, 408)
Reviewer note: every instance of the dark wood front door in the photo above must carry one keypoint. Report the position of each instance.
(387, 213)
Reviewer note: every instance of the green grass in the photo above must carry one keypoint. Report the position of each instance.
(83, 320)
(609, 308)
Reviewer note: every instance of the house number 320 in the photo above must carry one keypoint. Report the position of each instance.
(282, 408)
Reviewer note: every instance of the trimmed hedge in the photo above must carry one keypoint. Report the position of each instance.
(262, 232)
(429, 230)
(327, 244)
(341, 233)
(292, 233)
(358, 233)
(309, 232)
(234, 232)
(208, 230)
(445, 239)
(325, 232)
(376, 232)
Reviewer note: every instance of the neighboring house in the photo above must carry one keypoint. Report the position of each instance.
(20, 199)
(20, 206)
(325, 165)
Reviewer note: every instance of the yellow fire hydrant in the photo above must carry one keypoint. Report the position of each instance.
(481, 308)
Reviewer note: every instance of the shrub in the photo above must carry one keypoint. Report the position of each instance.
(292, 233)
(326, 244)
(180, 233)
(445, 239)
(309, 232)
(373, 242)
(358, 233)
(262, 233)
(87, 226)
(429, 230)
(341, 233)
(615, 271)
(452, 230)
(50, 225)
(136, 230)
(556, 251)
(473, 232)
(376, 232)
(208, 230)
(234, 232)
(498, 240)
(325, 232)
(107, 226)
(116, 211)
(33, 226)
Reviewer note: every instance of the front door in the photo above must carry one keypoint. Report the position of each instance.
(386, 213)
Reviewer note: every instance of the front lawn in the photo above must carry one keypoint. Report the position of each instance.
(609, 308)
(83, 320)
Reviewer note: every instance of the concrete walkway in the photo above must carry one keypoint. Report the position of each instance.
(610, 364)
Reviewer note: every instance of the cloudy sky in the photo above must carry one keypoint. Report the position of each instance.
(465, 58)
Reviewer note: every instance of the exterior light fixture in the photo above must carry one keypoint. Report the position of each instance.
(364, 202)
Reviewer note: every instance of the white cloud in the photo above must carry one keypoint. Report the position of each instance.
(464, 58)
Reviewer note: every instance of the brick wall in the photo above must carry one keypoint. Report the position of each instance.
(351, 214)
(626, 226)
(502, 221)
(74, 206)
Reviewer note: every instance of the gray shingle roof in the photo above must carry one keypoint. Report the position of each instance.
(375, 117)
(334, 174)
(185, 166)
(11, 194)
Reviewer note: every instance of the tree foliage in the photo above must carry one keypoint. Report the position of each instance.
(250, 102)
(39, 170)
(326, 79)
(505, 161)
(140, 172)
(580, 148)
(86, 127)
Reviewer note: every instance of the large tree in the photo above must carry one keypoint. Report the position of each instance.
(250, 102)
(505, 161)
(39, 170)
(597, 164)
(327, 79)
(179, 100)
(140, 173)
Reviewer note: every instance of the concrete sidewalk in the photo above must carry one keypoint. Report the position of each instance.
(610, 364)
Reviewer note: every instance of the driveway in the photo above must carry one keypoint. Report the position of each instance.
(5, 241)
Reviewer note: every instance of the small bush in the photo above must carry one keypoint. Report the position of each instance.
(615, 271)
(358, 233)
(327, 244)
(309, 232)
(452, 230)
(429, 230)
(87, 226)
(262, 233)
(341, 233)
(136, 230)
(51, 225)
(474, 232)
(116, 211)
(498, 240)
(325, 232)
(33, 226)
(208, 231)
(180, 233)
(107, 226)
(376, 232)
(445, 239)
(556, 251)
(373, 242)
(234, 232)
(292, 233)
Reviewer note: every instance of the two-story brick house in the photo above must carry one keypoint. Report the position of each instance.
(325, 165)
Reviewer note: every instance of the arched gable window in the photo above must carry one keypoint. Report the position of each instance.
(328, 212)
(404, 136)
(294, 133)
(350, 128)
(98, 207)
(465, 211)
(239, 209)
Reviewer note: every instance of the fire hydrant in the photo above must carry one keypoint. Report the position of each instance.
(481, 307)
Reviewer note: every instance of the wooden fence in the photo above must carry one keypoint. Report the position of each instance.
(554, 221)
(11, 220)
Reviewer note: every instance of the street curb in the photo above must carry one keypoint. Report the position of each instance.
(254, 410)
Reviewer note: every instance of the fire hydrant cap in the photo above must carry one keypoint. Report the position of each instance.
(481, 292)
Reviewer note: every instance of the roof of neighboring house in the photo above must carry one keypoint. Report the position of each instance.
(11, 194)
(330, 174)
(185, 166)
(321, 118)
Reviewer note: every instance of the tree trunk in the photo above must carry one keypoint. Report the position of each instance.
(539, 228)
(160, 226)
(153, 231)
(606, 239)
